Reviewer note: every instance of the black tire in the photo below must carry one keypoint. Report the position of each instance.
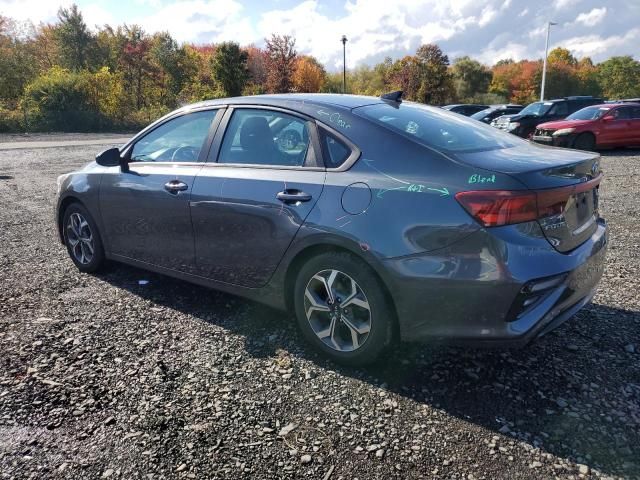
(79, 249)
(585, 141)
(381, 314)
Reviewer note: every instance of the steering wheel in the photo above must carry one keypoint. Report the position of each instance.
(194, 151)
(288, 140)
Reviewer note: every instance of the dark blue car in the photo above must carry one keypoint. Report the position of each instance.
(372, 219)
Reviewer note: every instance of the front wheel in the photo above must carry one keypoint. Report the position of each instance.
(82, 238)
(585, 141)
(342, 308)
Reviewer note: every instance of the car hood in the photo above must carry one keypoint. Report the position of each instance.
(505, 118)
(563, 124)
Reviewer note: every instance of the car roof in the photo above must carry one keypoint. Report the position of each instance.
(618, 104)
(329, 99)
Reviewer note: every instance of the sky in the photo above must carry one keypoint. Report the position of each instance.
(488, 30)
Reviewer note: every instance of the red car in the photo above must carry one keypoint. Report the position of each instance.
(606, 125)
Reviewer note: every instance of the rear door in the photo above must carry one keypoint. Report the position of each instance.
(145, 208)
(262, 178)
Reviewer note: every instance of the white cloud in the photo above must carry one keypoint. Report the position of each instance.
(590, 45)
(35, 11)
(513, 50)
(201, 21)
(538, 32)
(592, 18)
(562, 4)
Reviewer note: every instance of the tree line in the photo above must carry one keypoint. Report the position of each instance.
(66, 77)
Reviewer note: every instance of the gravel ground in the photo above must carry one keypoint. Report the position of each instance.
(101, 377)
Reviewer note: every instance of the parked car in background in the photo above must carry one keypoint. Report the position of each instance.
(495, 111)
(524, 124)
(606, 125)
(315, 204)
(466, 109)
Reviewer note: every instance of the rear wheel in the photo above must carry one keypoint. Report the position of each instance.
(82, 238)
(342, 309)
(585, 141)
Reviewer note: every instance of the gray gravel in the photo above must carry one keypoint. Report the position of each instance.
(101, 377)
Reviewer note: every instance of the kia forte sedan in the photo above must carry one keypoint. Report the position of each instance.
(371, 219)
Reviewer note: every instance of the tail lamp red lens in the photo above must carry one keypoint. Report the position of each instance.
(493, 208)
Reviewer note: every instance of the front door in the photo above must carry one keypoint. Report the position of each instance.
(248, 205)
(615, 126)
(145, 209)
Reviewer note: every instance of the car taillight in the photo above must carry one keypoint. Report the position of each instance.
(493, 208)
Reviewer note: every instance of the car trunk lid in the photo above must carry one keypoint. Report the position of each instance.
(565, 184)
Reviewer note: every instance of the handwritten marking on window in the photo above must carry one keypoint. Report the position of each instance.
(335, 118)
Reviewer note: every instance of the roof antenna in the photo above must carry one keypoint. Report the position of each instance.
(393, 96)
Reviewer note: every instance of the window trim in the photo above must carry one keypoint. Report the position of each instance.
(353, 156)
(127, 150)
(213, 155)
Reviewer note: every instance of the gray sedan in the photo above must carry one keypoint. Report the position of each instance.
(372, 219)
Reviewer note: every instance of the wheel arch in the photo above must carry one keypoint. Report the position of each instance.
(62, 207)
(315, 249)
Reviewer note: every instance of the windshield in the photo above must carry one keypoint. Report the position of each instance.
(437, 128)
(589, 113)
(536, 109)
(481, 114)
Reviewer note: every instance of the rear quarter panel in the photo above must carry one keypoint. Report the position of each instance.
(398, 198)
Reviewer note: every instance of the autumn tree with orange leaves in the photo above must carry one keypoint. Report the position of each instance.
(308, 75)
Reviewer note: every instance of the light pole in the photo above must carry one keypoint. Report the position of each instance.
(344, 63)
(544, 64)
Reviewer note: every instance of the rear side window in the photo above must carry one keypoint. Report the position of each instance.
(437, 128)
(561, 108)
(334, 151)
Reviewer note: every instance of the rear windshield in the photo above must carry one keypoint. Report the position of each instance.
(437, 128)
(589, 113)
(482, 113)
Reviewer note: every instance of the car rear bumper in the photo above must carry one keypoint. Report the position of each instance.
(472, 292)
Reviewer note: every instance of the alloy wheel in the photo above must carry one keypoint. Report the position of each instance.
(337, 310)
(80, 238)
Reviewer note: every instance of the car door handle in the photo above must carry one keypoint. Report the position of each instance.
(175, 186)
(292, 196)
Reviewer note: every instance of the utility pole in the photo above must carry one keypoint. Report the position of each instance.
(344, 63)
(544, 64)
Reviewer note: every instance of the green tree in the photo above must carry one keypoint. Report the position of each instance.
(17, 64)
(281, 59)
(620, 77)
(470, 78)
(436, 85)
(229, 68)
(73, 37)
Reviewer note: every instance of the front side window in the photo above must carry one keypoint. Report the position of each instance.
(178, 140)
(265, 137)
(589, 113)
(622, 113)
(437, 128)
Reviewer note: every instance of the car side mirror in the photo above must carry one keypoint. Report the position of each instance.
(608, 118)
(109, 157)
